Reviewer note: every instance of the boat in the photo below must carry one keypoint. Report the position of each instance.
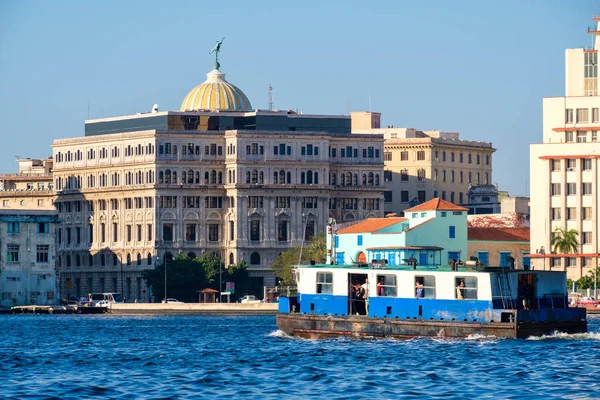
(404, 301)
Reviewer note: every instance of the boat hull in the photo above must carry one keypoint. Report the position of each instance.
(313, 326)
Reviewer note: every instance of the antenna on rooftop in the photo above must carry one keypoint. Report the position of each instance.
(270, 97)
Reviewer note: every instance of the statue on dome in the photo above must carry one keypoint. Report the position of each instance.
(216, 50)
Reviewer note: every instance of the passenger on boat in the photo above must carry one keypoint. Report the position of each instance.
(365, 289)
(419, 289)
(380, 289)
(460, 291)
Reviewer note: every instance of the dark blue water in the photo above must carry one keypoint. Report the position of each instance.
(247, 357)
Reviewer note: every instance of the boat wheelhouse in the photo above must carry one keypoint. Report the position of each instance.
(403, 301)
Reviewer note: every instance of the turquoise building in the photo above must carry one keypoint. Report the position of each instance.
(432, 233)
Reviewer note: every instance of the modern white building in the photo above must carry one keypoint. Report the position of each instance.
(564, 167)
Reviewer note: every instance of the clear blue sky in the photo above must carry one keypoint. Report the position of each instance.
(477, 67)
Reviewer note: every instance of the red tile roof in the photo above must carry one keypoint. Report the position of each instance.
(371, 225)
(436, 204)
(499, 234)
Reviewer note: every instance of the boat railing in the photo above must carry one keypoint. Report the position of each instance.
(287, 291)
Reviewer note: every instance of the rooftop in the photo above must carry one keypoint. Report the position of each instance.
(436, 204)
(371, 225)
(499, 234)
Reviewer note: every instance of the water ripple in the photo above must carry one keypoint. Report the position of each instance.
(130, 357)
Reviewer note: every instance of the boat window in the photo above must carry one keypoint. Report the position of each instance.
(386, 286)
(466, 288)
(324, 282)
(425, 286)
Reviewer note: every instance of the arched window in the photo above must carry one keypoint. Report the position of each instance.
(255, 258)
(213, 177)
(183, 177)
(220, 180)
(355, 179)
(168, 176)
(282, 177)
(206, 175)
(261, 177)
(190, 178)
(229, 181)
(302, 178)
(149, 259)
(254, 176)
(289, 177)
(343, 179)
(174, 176)
(370, 179)
(364, 180)
(139, 259)
(275, 175)
(316, 178)
(197, 176)
(68, 261)
(230, 258)
(333, 178)
(78, 260)
(376, 179)
(309, 177)
(247, 176)
(128, 259)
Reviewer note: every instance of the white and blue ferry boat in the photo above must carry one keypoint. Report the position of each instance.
(405, 301)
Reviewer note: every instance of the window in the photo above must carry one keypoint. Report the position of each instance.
(581, 136)
(571, 165)
(425, 286)
(387, 176)
(213, 232)
(586, 188)
(43, 227)
(466, 288)
(586, 238)
(571, 189)
(587, 212)
(190, 232)
(255, 258)
(571, 213)
(42, 253)
(404, 196)
(420, 155)
(13, 227)
(555, 189)
(470, 158)
(404, 156)
(168, 232)
(359, 240)
(569, 136)
(452, 232)
(12, 253)
(443, 156)
(387, 196)
(255, 230)
(586, 164)
(571, 261)
(387, 286)
(282, 231)
(555, 262)
(555, 213)
(138, 232)
(594, 136)
(149, 227)
(569, 116)
(595, 115)
(582, 115)
(387, 156)
(483, 257)
(421, 174)
(404, 175)
(325, 282)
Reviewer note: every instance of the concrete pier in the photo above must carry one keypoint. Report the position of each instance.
(193, 308)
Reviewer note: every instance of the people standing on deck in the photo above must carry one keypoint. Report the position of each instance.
(380, 289)
(460, 291)
(365, 290)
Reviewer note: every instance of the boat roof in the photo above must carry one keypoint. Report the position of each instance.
(382, 267)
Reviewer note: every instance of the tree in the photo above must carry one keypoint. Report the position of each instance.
(587, 282)
(315, 251)
(184, 277)
(564, 242)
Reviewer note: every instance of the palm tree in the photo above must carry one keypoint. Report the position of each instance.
(565, 241)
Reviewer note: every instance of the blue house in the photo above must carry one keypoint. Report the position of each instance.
(433, 233)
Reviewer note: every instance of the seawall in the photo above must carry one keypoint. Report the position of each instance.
(193, 308)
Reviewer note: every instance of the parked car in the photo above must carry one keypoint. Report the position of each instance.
(249, 299)
(103, 303)
(587, 301)
(171, 300)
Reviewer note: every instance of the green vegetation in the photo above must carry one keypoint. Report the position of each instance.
(586, 282)
(316, 250)
(564, 242)
(185, 276)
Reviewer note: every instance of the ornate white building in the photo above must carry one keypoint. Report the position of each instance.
(215, 176)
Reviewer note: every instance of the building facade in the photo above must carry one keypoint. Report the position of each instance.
(433, 233)
(564, 167)
(214, 177)
(421, 165)
(493, 246)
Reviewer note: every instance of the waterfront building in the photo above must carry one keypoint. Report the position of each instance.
(564, 167)
(216, 176)
(494, 246)
(421, 165)
(433, 233)
(27, 235)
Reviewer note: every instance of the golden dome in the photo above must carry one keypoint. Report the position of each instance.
(216, 94)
